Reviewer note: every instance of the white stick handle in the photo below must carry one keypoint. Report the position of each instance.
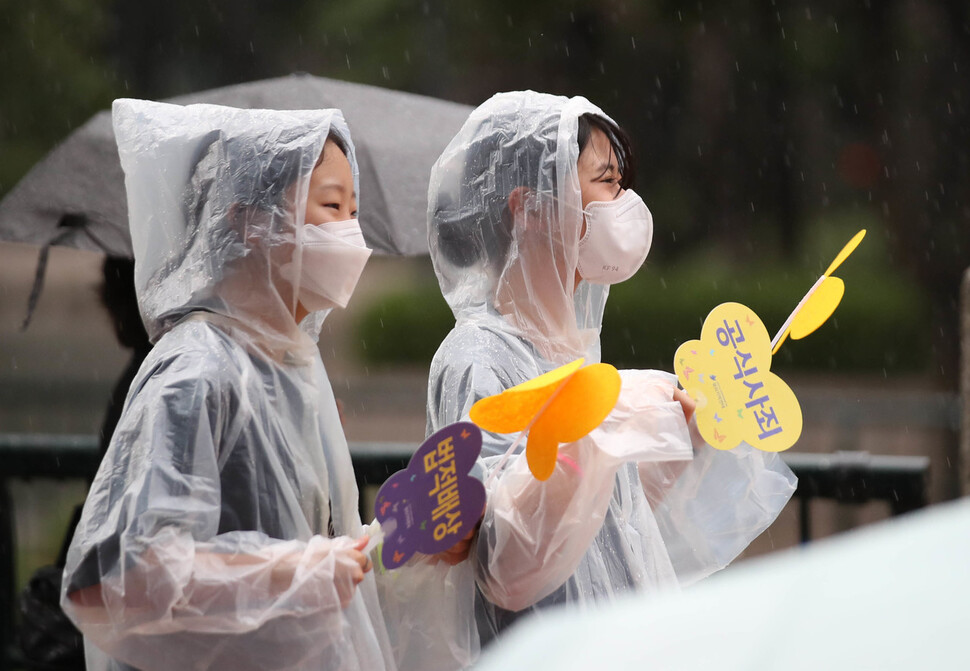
(798, 307)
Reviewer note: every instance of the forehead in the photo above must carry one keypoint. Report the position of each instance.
(333, 165)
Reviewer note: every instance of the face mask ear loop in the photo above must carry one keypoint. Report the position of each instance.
(298, 238)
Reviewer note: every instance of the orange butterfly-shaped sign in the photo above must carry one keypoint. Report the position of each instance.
(560, 406)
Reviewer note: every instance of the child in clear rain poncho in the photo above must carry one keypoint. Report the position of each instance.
(222, 531)
(531, 219)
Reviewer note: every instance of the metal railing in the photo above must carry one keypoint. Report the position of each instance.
(846, 477)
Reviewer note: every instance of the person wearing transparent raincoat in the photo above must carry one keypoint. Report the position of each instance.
(222, 531)
(531, 218)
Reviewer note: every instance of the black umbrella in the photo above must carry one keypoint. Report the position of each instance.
(75, 196)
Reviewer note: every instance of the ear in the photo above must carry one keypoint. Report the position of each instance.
(243, 221)
(237, 218)
(517, 199)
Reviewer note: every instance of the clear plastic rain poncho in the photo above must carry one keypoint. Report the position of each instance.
(639, 504)
(204, 541)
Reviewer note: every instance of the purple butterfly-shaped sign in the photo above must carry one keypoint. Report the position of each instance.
(434, 502)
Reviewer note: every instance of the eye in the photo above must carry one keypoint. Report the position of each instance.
(353, 215)
(335, 206)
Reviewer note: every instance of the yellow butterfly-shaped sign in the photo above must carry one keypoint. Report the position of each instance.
(820, 301)
(560, 406)
(727, 372)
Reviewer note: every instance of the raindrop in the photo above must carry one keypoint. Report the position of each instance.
(386, 72)
(633, 42)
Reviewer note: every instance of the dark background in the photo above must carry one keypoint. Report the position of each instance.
(768, 132)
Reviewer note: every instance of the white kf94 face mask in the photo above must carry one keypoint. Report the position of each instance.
(617, 239)
(333, 258)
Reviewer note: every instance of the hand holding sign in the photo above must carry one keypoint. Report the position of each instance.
(560, 406)
(433, 503)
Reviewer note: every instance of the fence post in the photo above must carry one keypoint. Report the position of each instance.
(965, 384)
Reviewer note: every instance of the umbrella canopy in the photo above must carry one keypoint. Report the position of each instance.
(76, 195)
(890, 597)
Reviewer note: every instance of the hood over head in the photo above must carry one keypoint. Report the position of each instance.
(517, 262)
(216, 202)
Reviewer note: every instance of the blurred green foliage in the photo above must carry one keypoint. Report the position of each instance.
(880, 326)
(53, 76)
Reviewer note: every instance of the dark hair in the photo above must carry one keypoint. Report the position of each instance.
(338, 140)
(626, 161)
(485, 231)
(118, 296)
